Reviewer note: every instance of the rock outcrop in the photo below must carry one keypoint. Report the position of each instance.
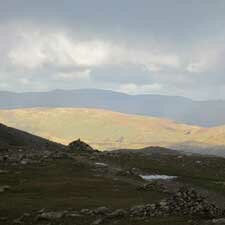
(183, 203)
(81, 147)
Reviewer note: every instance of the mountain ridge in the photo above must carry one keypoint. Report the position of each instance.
(202, 113)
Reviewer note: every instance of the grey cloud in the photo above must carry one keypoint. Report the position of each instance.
(174, 47)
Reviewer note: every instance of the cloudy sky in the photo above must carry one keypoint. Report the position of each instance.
(172, 47)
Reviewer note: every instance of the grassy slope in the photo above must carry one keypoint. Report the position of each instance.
(108, 130)
(64, 184)
(67, 183)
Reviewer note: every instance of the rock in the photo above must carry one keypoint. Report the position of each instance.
(24, 162)
(93, 158)
(80, 146)
(118, 213)
(5, 158)
(135, 171)
(86, 211)
(3, 218)
(73, 214)
(41, 210)
(121, 172)
(101, 165)
(150, 186)
(137, 210)
(184, 202)
(4, 188)
(163, 203)
(218, 221)
(98, 221)
(51, 215)
(101, 210)
(17, 221)
(3, 171)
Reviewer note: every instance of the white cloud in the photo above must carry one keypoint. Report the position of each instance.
(28, 54)
(199, 66)
(42, 58)
(132, 88)
(207, 57)
(39, 49)
(24, 81)
(36, 49)
(83, 74)
(4, 85)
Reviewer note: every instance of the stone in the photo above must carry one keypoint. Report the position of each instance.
(135, 171)
(184, 202)
(98, 221)
(73, 214)
(218, 221)
(101, 165)
(51, 215)
(24, 162)
(3, 218)
(101, 210)
(80, 146)
(163, 203)
(17, 221)
(4, 188)
(92, 158)
(118, 213)
(86, 211)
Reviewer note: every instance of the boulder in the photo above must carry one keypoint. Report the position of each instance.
(218, 221)
(50, 215)
(4, 188)
(86, 211)
(184, 202)
(118, 213)
(98, 221)
(101, 210)
(80, 146)
(17, 221)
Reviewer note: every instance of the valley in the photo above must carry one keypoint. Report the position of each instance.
(76, 184)
(112, 112)
(107, 130)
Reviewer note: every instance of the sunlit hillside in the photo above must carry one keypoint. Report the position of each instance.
(108, 130)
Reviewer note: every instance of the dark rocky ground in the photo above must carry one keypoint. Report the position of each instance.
(77, 185)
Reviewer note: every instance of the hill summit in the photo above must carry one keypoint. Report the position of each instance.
(80, 146)
(107, 130)
(17, 138)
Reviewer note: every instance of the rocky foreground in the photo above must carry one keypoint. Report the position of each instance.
(47, 183)
(184, 203)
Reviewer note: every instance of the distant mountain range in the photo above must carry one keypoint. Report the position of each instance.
(202, 113)
(107, 130)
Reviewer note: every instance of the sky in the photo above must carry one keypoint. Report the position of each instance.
(168, 47)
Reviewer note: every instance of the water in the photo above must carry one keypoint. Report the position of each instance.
(157, 177)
